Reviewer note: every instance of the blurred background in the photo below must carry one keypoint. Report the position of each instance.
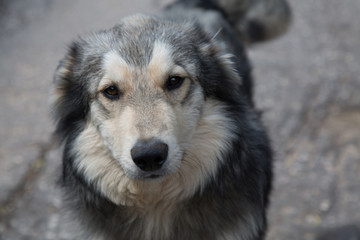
(307, 85)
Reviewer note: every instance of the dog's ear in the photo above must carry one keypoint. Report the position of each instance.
(218, 70)
(69, 94)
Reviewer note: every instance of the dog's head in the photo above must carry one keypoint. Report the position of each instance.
(141, 101)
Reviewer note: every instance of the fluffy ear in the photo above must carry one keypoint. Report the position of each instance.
(219, 72)
(69, 93)
(232, 72)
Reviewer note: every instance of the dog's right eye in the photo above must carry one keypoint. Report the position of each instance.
(112, 92)
(174, 82)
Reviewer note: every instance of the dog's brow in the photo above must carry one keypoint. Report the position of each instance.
(117, 70)
(161, 63)
(161, 58)
(115, 65)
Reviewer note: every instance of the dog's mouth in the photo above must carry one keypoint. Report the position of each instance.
(153, 176)
(150, 176)
(146, 176)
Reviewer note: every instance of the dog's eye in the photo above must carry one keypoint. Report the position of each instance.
(174, 82)
(112, 92)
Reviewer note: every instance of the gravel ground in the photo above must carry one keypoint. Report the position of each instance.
(307, 84)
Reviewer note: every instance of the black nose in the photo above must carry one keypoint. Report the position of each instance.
(149, 155)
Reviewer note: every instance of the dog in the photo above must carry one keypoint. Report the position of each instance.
(161, 136)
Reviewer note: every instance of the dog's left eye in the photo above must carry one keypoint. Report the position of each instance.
(112, 92)
(174, 82)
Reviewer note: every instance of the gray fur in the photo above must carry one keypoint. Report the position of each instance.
(216, 181)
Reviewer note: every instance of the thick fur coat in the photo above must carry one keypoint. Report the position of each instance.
(161, 137)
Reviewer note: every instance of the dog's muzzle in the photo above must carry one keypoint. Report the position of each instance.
(149, 155)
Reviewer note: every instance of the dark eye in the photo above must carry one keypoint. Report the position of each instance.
(174, 82)
(112, 92)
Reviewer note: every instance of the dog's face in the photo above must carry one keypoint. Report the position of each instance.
(139, 102)
(147, 114)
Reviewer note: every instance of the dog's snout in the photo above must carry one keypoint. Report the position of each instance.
(149, 155)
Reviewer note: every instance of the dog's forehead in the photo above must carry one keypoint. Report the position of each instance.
(141, 48)
(160, 57)
(137, 36)
(128, 74)
(115, 66)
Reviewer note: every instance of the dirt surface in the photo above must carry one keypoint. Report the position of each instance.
(307, 85)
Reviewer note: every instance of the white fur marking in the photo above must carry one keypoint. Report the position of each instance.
(112, 62)
(161, 59)
(212, 137)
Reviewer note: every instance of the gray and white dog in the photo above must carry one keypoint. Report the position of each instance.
(161, 137)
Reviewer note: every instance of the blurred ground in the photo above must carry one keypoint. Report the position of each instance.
(307, 85)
